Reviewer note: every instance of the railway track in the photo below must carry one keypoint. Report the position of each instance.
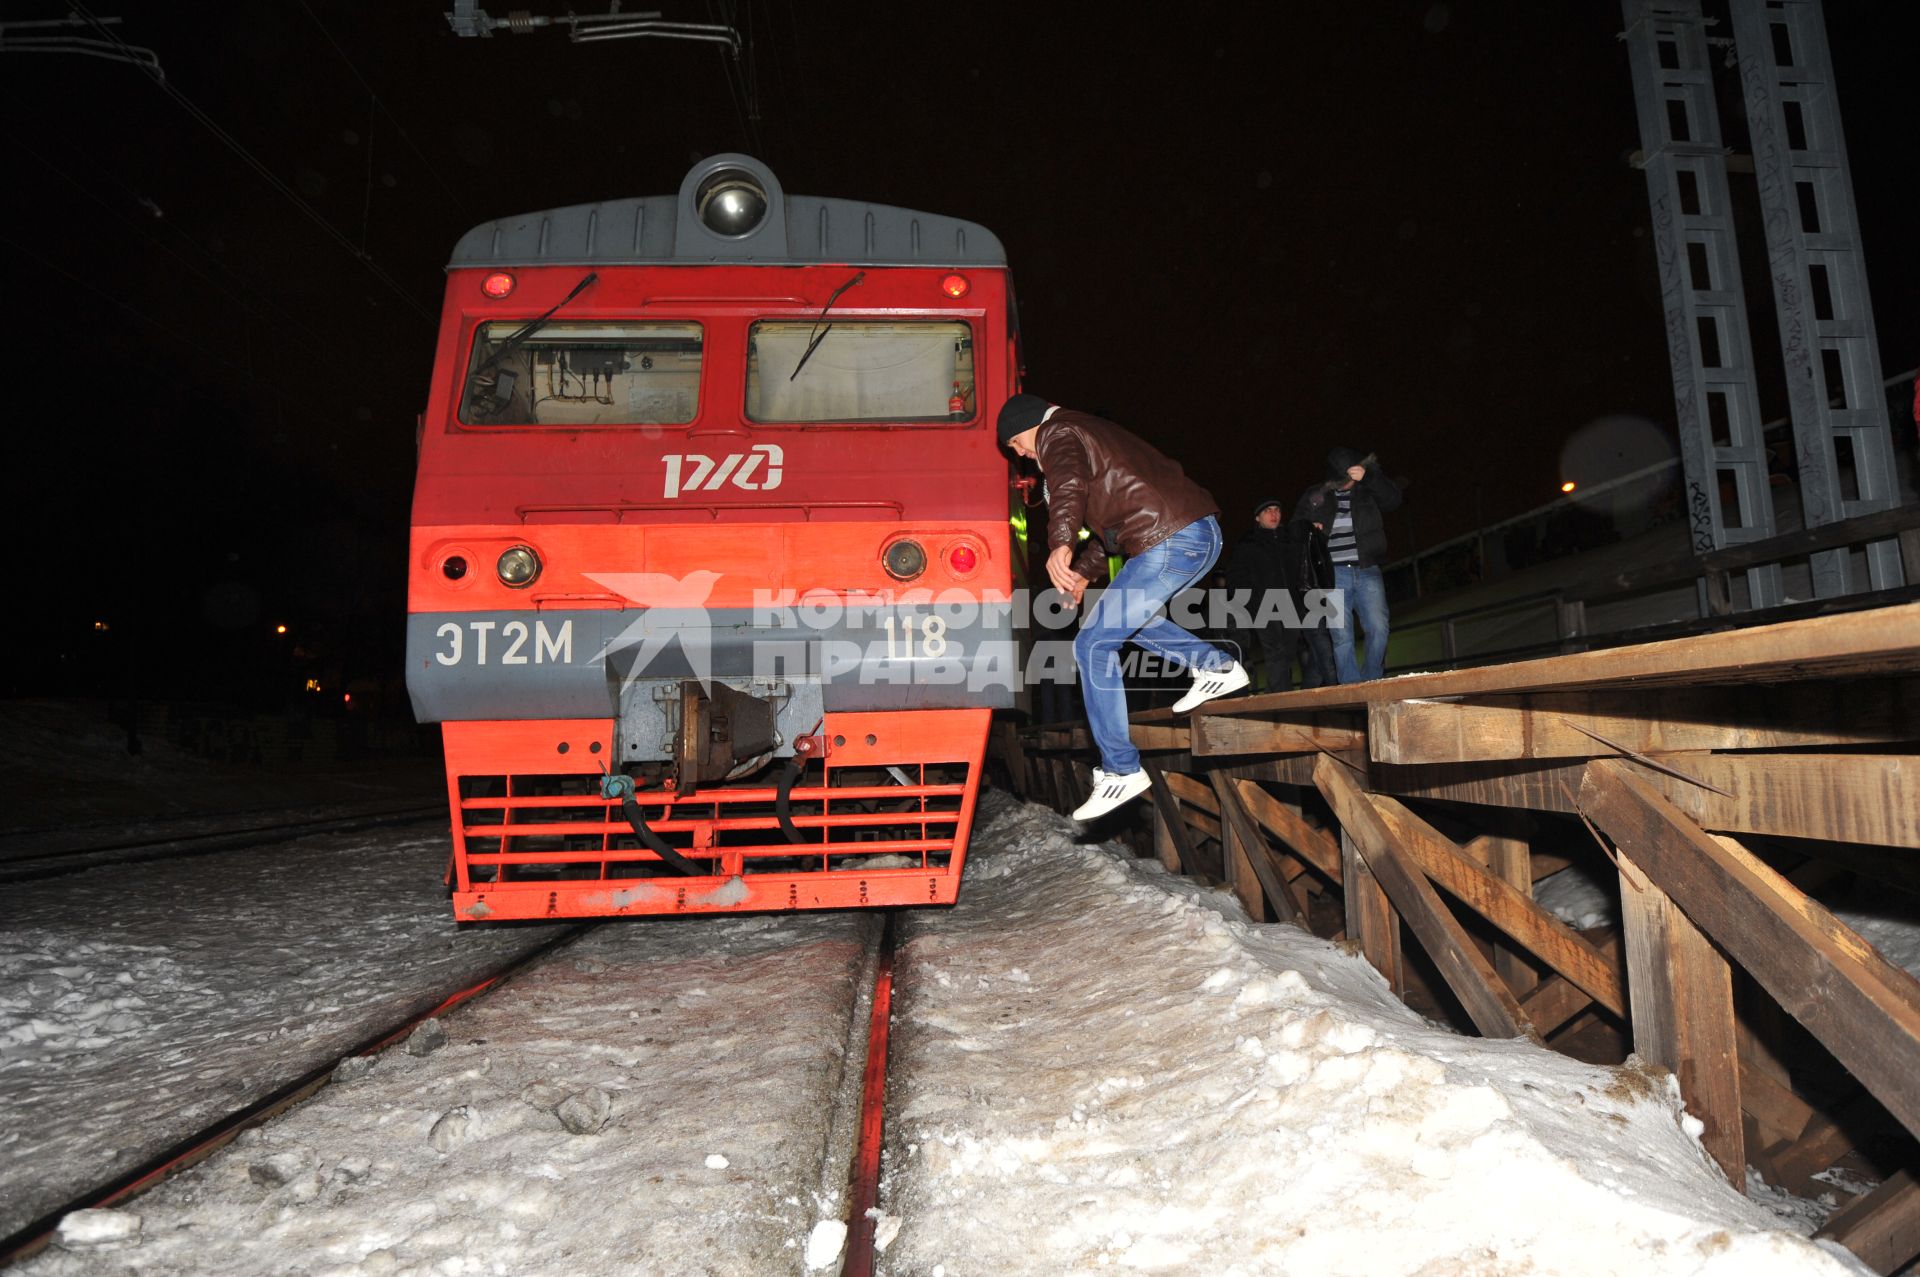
(852, 1123)
(213, 1136)
(27, 857)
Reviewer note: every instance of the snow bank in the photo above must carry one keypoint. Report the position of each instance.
(1097, 1065)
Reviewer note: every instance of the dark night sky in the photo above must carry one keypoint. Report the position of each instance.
(1246, 231)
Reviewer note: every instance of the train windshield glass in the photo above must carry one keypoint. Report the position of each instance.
(576, 373)
(860, 371)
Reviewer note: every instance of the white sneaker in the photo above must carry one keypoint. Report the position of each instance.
(1207, 686)
(1110, 792)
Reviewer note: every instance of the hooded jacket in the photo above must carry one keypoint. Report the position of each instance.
(1373, 496)
(1116, 485)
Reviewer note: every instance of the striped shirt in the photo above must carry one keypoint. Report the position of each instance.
(1341, 545)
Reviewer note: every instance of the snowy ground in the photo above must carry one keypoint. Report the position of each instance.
(1096, 1065)
(659, 1098)
(138, 1004)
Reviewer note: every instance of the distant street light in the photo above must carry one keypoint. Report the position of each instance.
(1567, 486)
(279, 629)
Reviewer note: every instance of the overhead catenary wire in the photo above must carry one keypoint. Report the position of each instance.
(386, 110)
(267, 175)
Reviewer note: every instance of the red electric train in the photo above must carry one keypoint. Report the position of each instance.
(710, 551)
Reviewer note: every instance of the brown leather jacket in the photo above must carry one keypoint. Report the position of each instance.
(1108, 480)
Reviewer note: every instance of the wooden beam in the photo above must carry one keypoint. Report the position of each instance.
(1259, 856)
(1163, 844)
(1215, 734)
(1511, 861)
(1865, 798)
(1882, 1228)
(1493, 1009)
(1877, 642)
(1284, 821)
(1504, 905)
(1581, 724)
(1148, 736)
(1197, 792)
(1860, 1006)
(1683, 1014)
(1169, 813)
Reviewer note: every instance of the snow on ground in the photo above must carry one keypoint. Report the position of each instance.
(1096, 1065)
(658, 1097)
(138, 1004)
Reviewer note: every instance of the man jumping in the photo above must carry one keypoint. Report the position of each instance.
(1133, 501)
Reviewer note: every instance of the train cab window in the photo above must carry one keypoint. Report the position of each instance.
(583, 373)
(857, 370)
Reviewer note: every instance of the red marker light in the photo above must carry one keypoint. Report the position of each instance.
(962, 559)
(954, 285)
(497, 285)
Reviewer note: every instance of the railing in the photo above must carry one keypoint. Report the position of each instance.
(1566, 605)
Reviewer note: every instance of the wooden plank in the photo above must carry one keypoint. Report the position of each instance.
(1510, 860)
(1492, 1007)
(1260, 857)
(1683, 1014)
(1553, 1002)
(1147, 736)
(1197, 792)
(1504, 905)
(1580, 724)
(1169, 811)
(1237, 852)
(1215, 734)
(1865, 798)
(1372, 922)
(1877, 642)
(1284, 821)
(1882, 1228)
(1773, 1103)
(1819, 1145)
(1163, 844)
(1861, 1007)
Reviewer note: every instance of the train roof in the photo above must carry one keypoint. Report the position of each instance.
(691, 228)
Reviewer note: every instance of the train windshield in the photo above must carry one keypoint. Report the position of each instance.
(583, 373)
(860, 371)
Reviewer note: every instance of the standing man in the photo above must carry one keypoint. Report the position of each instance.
(1136, 502)
(1347, 507)
(1262, 566)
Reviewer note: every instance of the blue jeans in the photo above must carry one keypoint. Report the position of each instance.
(1366, 595)
(1130, 609)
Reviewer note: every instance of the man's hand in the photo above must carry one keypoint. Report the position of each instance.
(1356, 473)
(1065, 579)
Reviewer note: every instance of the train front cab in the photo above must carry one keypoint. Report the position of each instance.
(738, 679)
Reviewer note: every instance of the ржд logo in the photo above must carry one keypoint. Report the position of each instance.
(696, 472)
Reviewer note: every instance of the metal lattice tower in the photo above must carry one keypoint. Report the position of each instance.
(1832, 355)
(1716, 403)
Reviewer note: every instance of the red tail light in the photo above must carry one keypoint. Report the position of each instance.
(954, 285)
(962, 559)
(497, 285)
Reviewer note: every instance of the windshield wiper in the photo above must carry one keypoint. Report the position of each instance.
(527, 330)
(820, 334)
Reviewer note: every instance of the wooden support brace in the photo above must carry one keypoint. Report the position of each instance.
(1163, 844)
(1258, 855)
(1159, 737)
(1492, 1007)
(1169, 812)
(1683, 1014)
(1505, 906)
(1882, 1228)
(1316, 847)
(1861, 1007)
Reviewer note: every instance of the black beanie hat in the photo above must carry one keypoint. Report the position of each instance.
(1021, 414)
(1269, 501)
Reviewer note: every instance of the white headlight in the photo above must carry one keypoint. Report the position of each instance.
(518, 567)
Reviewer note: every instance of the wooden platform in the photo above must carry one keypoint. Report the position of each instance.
(1722, 775)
